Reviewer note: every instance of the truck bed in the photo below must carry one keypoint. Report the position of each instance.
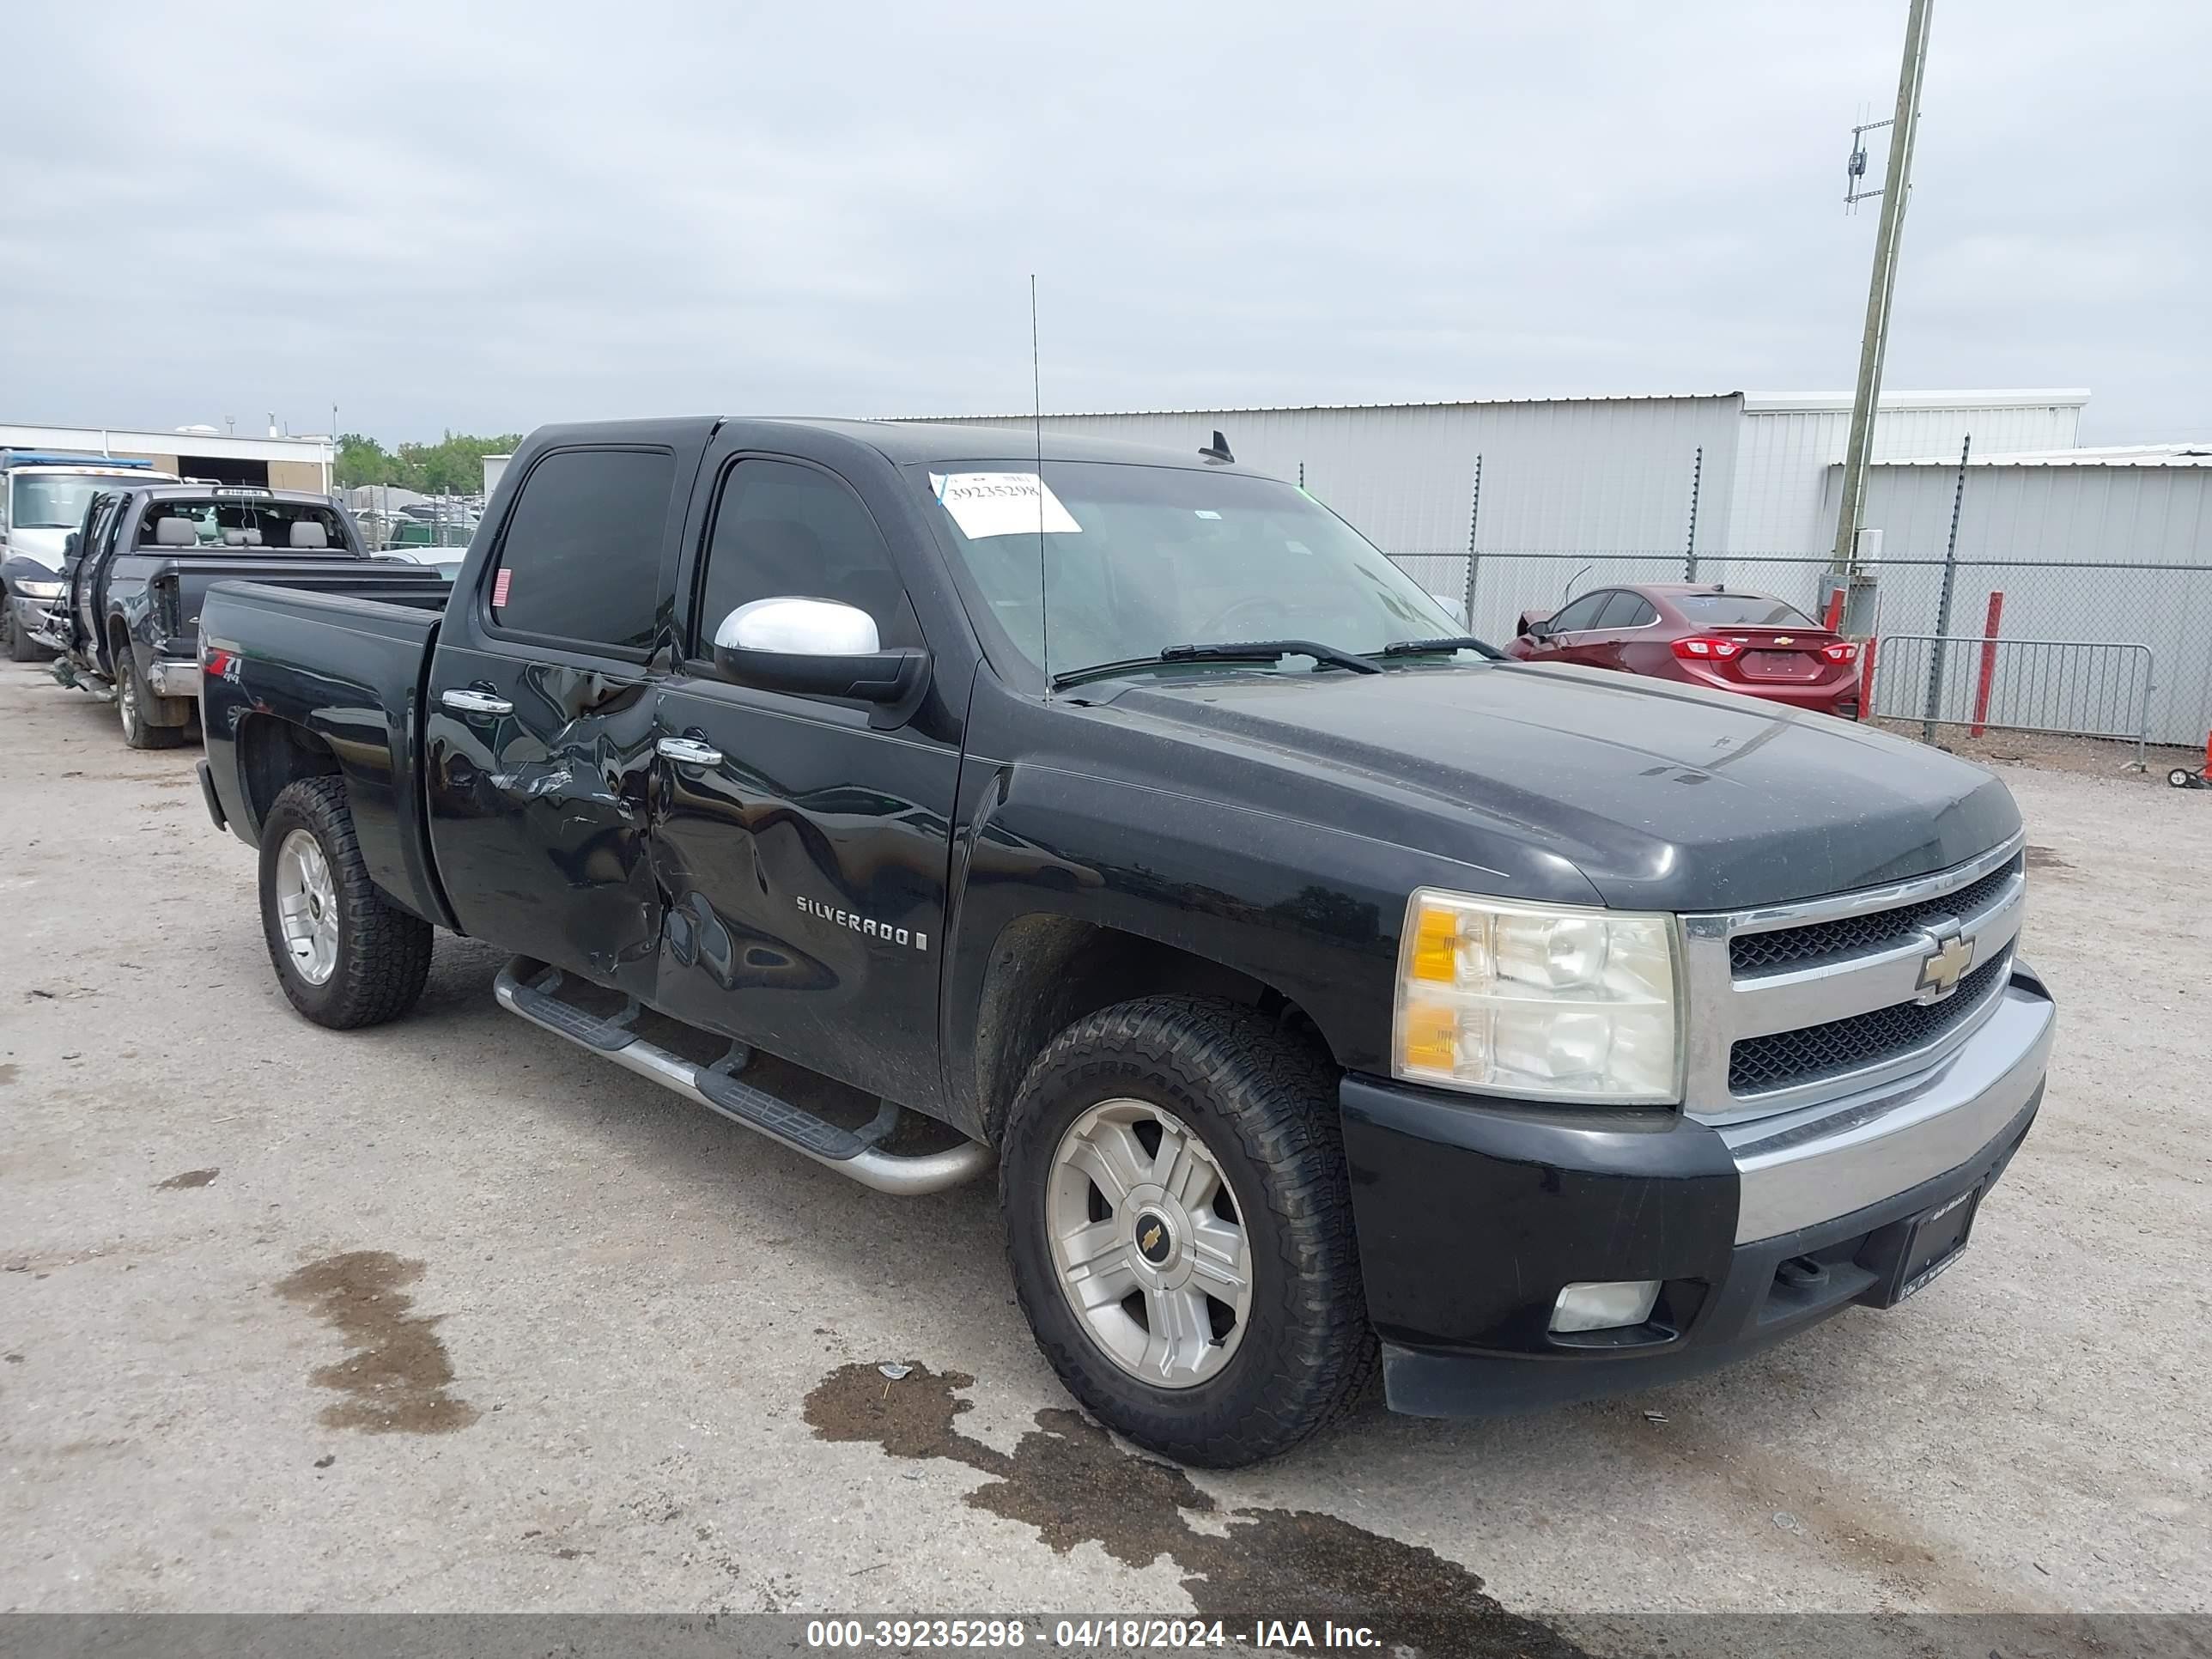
(348, 669)
(402, 584)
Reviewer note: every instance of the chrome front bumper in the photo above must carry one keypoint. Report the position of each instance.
(1798, 1168)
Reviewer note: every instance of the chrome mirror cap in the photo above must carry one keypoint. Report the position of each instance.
(799, 627)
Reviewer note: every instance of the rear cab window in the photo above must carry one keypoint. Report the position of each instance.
(579, 558)
(218, 524)
(1742, 611)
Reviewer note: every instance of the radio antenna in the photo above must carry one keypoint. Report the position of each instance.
(1037, 408)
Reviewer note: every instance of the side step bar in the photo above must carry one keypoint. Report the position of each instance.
(526, 987)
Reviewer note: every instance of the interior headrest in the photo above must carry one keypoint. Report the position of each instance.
(174, 532)
(309, 532)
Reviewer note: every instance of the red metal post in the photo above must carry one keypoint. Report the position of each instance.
(1989, 663)
(1866, 675)
(1834, 620)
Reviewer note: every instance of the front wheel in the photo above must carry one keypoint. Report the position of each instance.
(1179, 1226)
(345, 955)
(14, 637)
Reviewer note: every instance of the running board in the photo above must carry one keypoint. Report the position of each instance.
(527, 988)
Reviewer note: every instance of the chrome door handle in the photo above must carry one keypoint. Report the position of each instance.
(688, 751)
(464, 701)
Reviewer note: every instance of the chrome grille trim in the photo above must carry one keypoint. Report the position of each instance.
(1723, 1005)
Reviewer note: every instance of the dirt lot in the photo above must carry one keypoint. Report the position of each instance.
(451, 1315)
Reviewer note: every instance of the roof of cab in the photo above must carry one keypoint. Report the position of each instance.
(906, 443)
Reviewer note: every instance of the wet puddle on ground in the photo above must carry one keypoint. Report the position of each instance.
(1070, 1481)
(396, 1376)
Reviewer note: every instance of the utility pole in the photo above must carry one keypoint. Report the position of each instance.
(1896, 185)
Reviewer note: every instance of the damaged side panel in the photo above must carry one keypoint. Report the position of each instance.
(540, 813)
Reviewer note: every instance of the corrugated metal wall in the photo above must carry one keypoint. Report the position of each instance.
(2089, 522)
(1783, 457)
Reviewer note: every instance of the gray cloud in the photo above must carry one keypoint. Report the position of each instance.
(436, 215)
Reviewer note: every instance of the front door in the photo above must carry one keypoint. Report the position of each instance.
(802, 848)
(540, 732)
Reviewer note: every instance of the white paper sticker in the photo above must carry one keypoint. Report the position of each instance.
(1002, 504)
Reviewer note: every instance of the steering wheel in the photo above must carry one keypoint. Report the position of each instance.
(1224, 626)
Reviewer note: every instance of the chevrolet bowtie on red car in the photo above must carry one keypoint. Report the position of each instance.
(1707, 635)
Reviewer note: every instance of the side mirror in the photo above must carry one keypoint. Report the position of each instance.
(814, 647)
(69, 548)
(1535, 628)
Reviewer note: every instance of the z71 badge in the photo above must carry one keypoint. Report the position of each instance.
(867, 926)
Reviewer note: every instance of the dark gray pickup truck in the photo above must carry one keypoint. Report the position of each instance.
(135, 574)
(1325, 989)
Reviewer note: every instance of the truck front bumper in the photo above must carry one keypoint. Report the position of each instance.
(1473, 1215)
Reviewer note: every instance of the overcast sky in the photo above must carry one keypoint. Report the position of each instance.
(437, 216)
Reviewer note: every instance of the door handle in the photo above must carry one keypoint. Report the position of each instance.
(466, 702)
(688, 751)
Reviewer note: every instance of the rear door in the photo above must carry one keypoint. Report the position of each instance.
(538, 738)
(803, 844)
(1616, 628)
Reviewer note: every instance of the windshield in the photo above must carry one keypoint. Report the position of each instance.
(1140, 558)
(1742, 611)
(55, 501)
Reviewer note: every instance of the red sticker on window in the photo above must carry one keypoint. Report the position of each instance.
(499, 590)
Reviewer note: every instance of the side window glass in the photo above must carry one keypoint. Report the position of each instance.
(1619, 611)
(579, 558)
(1578, 616)
(784, 530)
(1646, 614)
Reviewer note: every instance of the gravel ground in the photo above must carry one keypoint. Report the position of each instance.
(452, 1315)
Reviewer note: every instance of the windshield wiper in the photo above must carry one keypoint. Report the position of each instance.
(1449, 642)
(1228, 651)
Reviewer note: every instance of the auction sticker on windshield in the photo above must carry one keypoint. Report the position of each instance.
(1001, 504)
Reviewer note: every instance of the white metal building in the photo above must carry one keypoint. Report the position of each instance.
(193, 452)
(1592, 474)
(2086, 545)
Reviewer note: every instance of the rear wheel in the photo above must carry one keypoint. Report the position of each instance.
(2181, 778)
(134, 704)
(346, 956)
(1179, 1226)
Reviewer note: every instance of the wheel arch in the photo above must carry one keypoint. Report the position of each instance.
(1046, 971)
(273, 752)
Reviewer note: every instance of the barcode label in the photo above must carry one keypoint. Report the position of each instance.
(499, 590)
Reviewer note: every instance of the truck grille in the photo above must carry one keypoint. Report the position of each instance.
(1794, 1006)
(1787, 1060)
(1786, 948)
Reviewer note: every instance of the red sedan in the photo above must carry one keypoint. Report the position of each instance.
(1726, 638)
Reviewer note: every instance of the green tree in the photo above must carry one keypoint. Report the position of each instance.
(452, 465)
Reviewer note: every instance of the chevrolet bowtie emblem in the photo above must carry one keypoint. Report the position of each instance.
(1946, 962)
(1151, 1241)
(1785, 639)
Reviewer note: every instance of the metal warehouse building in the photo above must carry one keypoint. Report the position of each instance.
(2085, 545)
(192, 452)
(1731, 471)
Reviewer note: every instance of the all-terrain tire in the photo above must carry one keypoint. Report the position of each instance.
(135, 703)
(1264, 1104)
(383, 952)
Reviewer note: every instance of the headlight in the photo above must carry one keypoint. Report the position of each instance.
(41, 590)
(1511, 998)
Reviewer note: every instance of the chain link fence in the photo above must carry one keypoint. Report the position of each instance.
(2159, 689)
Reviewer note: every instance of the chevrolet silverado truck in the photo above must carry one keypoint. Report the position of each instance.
(125, 626)
(1326, 990)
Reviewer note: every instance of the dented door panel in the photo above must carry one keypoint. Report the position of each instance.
(540, 815)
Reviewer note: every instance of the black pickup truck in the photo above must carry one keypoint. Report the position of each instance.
(1324, 988)
(135, 575)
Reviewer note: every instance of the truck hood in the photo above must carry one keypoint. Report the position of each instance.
(43, 545)
(1664, 796)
